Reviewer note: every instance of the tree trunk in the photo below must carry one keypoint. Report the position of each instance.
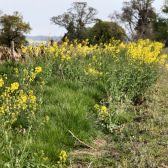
(12, 50)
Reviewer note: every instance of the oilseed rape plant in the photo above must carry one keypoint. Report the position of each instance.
(18, 107)
(146, 52)
(62, 159)
(128, 67)
(102, 111)
(15, 101)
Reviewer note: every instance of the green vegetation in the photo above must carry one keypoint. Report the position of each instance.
(91, 109)
(90, 101)
(75, 20)
(103, 32)
(13, 29)
(161, 26)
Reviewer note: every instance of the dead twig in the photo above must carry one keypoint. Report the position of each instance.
(61, 72)
(90, 164)
(80, 140)
(70, 163)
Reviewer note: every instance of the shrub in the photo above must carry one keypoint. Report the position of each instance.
(103, 32)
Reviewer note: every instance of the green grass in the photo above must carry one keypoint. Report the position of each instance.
(70, 107)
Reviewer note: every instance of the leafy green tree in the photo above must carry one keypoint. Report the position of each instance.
(75, 20)
(105, 31)
(12, 28)
(138, 17)
(165, 7)
(161, 26)
(161, 30)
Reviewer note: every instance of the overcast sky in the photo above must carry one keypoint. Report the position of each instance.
(39, 12)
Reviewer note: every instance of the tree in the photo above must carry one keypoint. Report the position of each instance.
(12, 28)
(105, 31)
(138, 16)
(161, 26)
(75, 20)
(161, 30)
(165, 7)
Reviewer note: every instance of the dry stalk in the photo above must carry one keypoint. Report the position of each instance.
(80, 140)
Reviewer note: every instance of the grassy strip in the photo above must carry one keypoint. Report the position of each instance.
(69, 107)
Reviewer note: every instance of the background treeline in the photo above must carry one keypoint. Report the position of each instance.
(136, 20)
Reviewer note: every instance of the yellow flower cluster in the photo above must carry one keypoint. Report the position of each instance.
(92, 71)
(14, 101)
(31, 75)
(12, 104)
(102, 111)
(146, 52)
(63, 51)
(1, 82)
(14, 86)
(47, 118)
(143, 51)
(62, 158)
(38, 69)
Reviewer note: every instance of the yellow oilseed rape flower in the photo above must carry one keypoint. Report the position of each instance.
(35, 154)
(14, 86)
(24, 50)
(24, 98)
(100, 73)
(5, 76)
(38, 69)
(21, 92)
(1, 82)
(103, 109)
(100, 64)
(25, 71)
(96, 106)
(94, 57)
(47, 118)
(103, 113)
(2, 110)
(63, 154)
(45, 158)
(42, 83)
(30, 92)
(16, 70)
(13, 114)
(122, 45)
(68, 58)
(86, 73)
(7, 89)
(62, 157)
(145, 51)
(51, 49)
(13, 120)
(24, 106)
(32, 99)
